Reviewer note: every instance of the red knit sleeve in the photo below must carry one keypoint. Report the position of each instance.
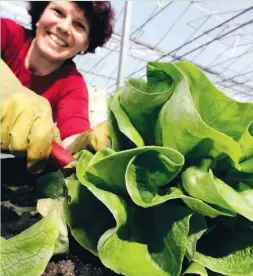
(4, 34)
(12, 36)
(72, 113)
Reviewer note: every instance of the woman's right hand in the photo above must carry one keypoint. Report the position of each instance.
(27, 126)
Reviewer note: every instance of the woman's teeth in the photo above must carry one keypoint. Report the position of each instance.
(57, 40)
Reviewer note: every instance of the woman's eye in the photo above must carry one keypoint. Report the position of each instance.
(59, 12)
(80, 25)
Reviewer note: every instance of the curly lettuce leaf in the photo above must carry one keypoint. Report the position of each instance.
(203, 185)
(120, 123)
(123, 180)
(180, 125)
(145, 248)
(215, 108)
(136, 120)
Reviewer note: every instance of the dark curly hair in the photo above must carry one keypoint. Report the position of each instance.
(99, 14)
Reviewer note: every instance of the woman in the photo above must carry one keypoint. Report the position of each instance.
(42, 61)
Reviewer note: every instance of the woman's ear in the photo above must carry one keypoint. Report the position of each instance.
(86, 46)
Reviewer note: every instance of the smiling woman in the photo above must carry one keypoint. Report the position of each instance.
(42, 61)
(62, 32)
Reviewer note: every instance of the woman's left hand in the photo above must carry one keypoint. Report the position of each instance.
(93, 139)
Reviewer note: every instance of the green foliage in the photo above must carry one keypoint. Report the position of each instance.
(174, 194)
(182, 159)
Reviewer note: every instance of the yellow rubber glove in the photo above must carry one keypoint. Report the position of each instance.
(94, 139)
(27, 125)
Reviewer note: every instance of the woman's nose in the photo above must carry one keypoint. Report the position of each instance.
(64, 25)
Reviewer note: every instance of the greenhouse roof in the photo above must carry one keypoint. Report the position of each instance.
(217, 36)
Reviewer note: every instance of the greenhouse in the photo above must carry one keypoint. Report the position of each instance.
(126, 138)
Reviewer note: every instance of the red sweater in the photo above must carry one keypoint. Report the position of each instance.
(64, 88)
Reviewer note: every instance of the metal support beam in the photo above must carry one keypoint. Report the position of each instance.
(124, 43)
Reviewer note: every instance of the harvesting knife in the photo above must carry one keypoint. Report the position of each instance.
(58, 153)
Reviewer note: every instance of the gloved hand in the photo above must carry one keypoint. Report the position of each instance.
(93, 139)
(27, 125)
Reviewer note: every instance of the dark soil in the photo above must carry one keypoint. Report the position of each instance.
(13, 224)
(79, 262)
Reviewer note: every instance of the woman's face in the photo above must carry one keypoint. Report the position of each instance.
(62, 31)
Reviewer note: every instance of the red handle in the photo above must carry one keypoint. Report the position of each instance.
(62, 156)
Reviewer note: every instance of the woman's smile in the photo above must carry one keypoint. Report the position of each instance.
(58, 41)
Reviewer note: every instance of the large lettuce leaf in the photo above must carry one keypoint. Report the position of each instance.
(215, 108)
(183, 116)
(28, 253)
